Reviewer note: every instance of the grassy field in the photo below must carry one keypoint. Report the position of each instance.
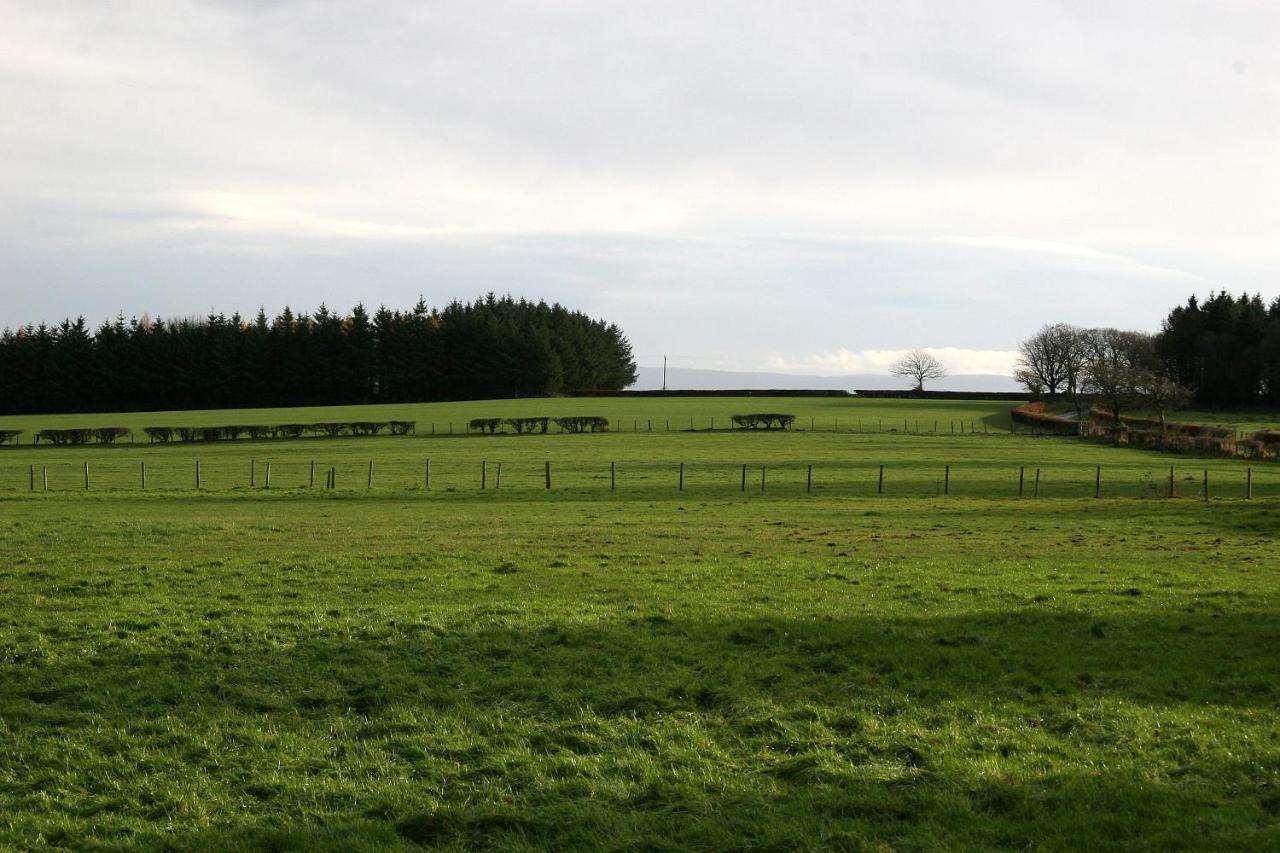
(626, 414)
(641, 668)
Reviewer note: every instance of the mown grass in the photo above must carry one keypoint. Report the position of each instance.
(639, 669)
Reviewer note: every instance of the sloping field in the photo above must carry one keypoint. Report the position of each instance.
(638, 667)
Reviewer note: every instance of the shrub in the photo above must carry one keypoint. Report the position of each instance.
(402, 427)
(108, 435)
(766, 420)
(527, 425)
(161, 434)
(288, 430)
(331, 429)
(583, 423)
(368, 427)
(8, 435)
(489, 425)
(65, 436)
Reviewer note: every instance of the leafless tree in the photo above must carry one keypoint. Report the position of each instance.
(918, 366)
(1157, 391)
(1049, 361)
(1115, 366)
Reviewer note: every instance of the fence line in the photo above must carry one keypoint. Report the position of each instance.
(861, 478)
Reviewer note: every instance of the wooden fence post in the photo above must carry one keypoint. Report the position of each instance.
(1097, 483)
(880, 484)
(1036, 493)
(1206, 484)
(368, 484)
(1171, 481)
(946, 481)
(1022, 473)
(1248, 484)
(744, 478)
(44, 474)
(808, 485)
(197, 475)
(426, 475)
(253, 472)
(680, 486)
(497, 479)
(613, 475)
(484, 474)
(33, 478)
(86, 475)
(311, 479)
(142, 466)
(762, 479)
(547, 473)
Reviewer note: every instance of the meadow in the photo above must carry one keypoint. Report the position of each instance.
(639, 667)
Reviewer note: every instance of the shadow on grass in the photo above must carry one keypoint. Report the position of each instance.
(797, 706)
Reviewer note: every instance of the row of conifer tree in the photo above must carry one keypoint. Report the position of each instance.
(491, 348)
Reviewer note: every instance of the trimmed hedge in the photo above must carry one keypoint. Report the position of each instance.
(489, 425)
(8, 435)
(583, 423)
(763, 420)
(65, 436)
(331, 429)
(527, 425)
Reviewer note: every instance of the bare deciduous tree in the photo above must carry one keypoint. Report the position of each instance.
(919, 366)
(1049, 361)
(1161, 393)
(1115, 365)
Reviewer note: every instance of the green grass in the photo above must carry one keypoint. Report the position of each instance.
(640, 669)
(627, 414)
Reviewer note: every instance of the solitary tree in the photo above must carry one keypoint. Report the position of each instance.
(919, 367)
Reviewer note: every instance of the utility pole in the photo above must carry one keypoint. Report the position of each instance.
(664, 373)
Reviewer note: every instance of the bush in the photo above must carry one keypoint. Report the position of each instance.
(160, 434)
(108, 435)
(332, 429)
(402, 427)
(489, 425)
(766, 420)
(65, 436)
(583, 423)
(8, 435)
(368, 427)
(288, 430)
(527, 425)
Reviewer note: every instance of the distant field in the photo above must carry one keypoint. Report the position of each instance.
(639, 667)
(626, 414)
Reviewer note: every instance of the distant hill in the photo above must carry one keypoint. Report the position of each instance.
(685, 378)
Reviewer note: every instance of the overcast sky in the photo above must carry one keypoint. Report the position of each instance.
(807, 187)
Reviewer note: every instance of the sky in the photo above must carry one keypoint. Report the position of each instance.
(806, 187)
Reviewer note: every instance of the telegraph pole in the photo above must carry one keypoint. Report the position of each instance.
(664, 373)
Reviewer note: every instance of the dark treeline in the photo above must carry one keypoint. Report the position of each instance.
(1226, 350)
(494, 347)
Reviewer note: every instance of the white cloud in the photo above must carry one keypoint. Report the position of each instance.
(956, 173)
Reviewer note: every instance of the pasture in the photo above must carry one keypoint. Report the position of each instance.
(628, 665)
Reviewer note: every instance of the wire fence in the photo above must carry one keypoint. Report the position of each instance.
(116, 473)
